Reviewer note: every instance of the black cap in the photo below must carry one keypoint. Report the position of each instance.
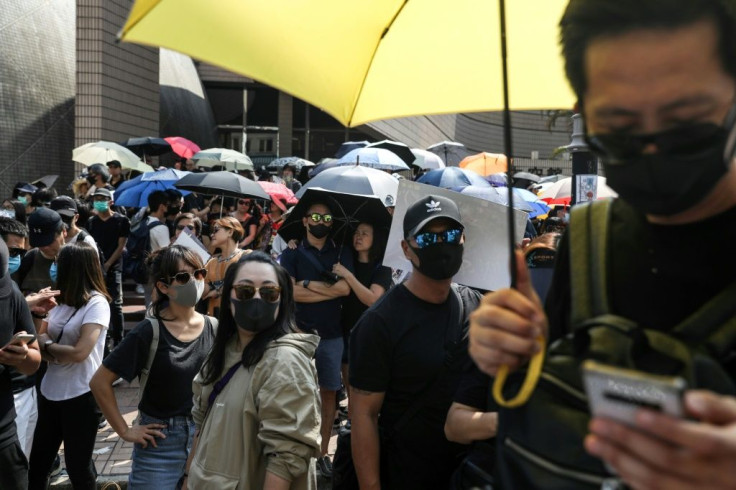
(43, 225)
(25, 188)
(114, 163)
(103, 192)
(427, 209)
(65, 206)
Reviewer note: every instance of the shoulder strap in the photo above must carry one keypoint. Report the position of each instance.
(26, 264)
(311, 258)
(82, 235)
(589, 231)
(152, 348)
(713, 325)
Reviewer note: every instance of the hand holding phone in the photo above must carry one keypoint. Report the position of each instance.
(21, 338)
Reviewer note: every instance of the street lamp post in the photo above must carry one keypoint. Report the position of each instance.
(584, 165)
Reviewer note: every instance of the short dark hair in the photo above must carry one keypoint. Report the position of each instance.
(10, 226)
(99, 169)
(156, 199)
(173, 194)
(79, 274)
(43, 195)
(588, 20)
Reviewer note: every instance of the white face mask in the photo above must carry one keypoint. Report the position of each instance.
(8, 213)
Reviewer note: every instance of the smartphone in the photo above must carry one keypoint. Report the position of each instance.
(22, 338)
(617, 393)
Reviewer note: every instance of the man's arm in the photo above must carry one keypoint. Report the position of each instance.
(364, 437)
(330, 291)
(307, 295)
(466, 424)
(117, 253)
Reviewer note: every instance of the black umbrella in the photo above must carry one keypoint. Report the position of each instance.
(349, 146)
(147, 145)
(348, 210)
(400, 149)
(527, 176)
(451, 152)
(221, 184)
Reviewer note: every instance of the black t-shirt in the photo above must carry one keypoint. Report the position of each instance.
(658, 275)
(34, 273)
(15, 316)
(169, 389)
(399, 347)
(107, 232)
(367, 273)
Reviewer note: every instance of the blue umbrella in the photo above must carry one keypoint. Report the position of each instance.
(496, 195)
(451, 177)
(377, 158)
(134, 192)
(538, 206)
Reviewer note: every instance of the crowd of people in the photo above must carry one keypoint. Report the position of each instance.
(243, 359)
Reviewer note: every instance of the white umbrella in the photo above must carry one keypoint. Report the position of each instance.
(377, 158)
(227, 158)
(426, 160)
(563, 188)
(106, 151)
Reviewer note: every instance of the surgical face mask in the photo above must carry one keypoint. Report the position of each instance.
(688, 163)
(288, 178)
(101, 206)
(319, 231)
(23, 200)
(439, 261)
(186, 294)
(14, 264)
(254, 315)
(53, 272)
(8, 213)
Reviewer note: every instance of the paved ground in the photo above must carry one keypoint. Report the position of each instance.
(112, 454)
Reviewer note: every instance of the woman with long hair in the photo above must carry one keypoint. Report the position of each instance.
(164, 431)
(256, 399)
(225, 234)
(249, 216)
(72, 340)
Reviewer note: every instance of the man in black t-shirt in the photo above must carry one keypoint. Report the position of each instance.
(406, 356)
(656, 82)
(111, 230)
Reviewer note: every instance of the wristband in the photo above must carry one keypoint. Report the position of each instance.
(305, 283)
(40, 317)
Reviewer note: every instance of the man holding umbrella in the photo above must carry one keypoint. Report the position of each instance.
(318, 294)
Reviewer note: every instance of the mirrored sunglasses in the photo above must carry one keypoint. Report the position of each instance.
(428, 238)
(316, 217)
(269, 294)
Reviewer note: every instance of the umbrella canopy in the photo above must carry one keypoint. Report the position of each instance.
(538, 206)
(134, 192)
(324, 164)
(377, 158)
(527, 176)
(348, 210)
(225, 157)
(221, 184)
(182, 146)
(147, 145)
(278, 192)
(453, 177)
(450, 152)
(297, 162)
(426, 160)
(497, 180)
(485, 163)
(396, 147)
(563, 189)
(492, 194)
(106, 151)
(553, 178)
(365, 61)
(45, 181)
(349, 146)
(357, 180)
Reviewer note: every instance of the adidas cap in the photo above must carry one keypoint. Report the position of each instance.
(425, 210)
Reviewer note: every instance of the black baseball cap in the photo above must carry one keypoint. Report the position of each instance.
(427, 209)
(103, 192)
(43, 225)
(65, 206)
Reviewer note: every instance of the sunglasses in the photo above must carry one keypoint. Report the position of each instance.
(181, 227)
(15, 252)
(218, 228)
(243, 201)
(316, 217)
(185, 277)
(692, 139)
(269, 294)
(428, 238)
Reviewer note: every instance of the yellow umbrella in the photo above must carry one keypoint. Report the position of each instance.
(485, 164)
(366, 60)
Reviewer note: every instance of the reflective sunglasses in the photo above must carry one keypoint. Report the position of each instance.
(181, 227)
(185, 277)
(692, 139)
(316, 217)
(15, 252)
(269, 294)
(428, 238)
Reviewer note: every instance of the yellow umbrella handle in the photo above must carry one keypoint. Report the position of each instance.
(530, 382)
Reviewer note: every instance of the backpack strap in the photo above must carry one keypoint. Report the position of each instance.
(152, 348)
(589, 232)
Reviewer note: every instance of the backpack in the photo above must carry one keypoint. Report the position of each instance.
(81, 237)
(540, 444)
(137, 250)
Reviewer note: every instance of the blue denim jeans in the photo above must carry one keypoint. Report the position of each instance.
(156, 468)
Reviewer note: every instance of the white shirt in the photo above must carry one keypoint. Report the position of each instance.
(88, 239)
(66, 381)
(159, 235)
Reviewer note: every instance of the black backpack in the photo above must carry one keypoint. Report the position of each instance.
(137, 249)
(540, 444)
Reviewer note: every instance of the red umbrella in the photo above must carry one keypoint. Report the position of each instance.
(279, 193)
(182, 146)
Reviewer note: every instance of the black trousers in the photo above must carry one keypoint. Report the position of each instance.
(114, 283)
(74, 422)
(13, 467)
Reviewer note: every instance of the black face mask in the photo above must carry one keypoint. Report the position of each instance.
(91, 179)
(319, 231)
(439, 261)
(254, 315)
(689, 162)
(173, 210)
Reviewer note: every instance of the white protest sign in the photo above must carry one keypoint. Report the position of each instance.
(187, 240)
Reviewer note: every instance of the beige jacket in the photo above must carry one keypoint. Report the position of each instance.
(266, 418)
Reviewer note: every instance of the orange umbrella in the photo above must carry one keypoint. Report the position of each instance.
(485, 163)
